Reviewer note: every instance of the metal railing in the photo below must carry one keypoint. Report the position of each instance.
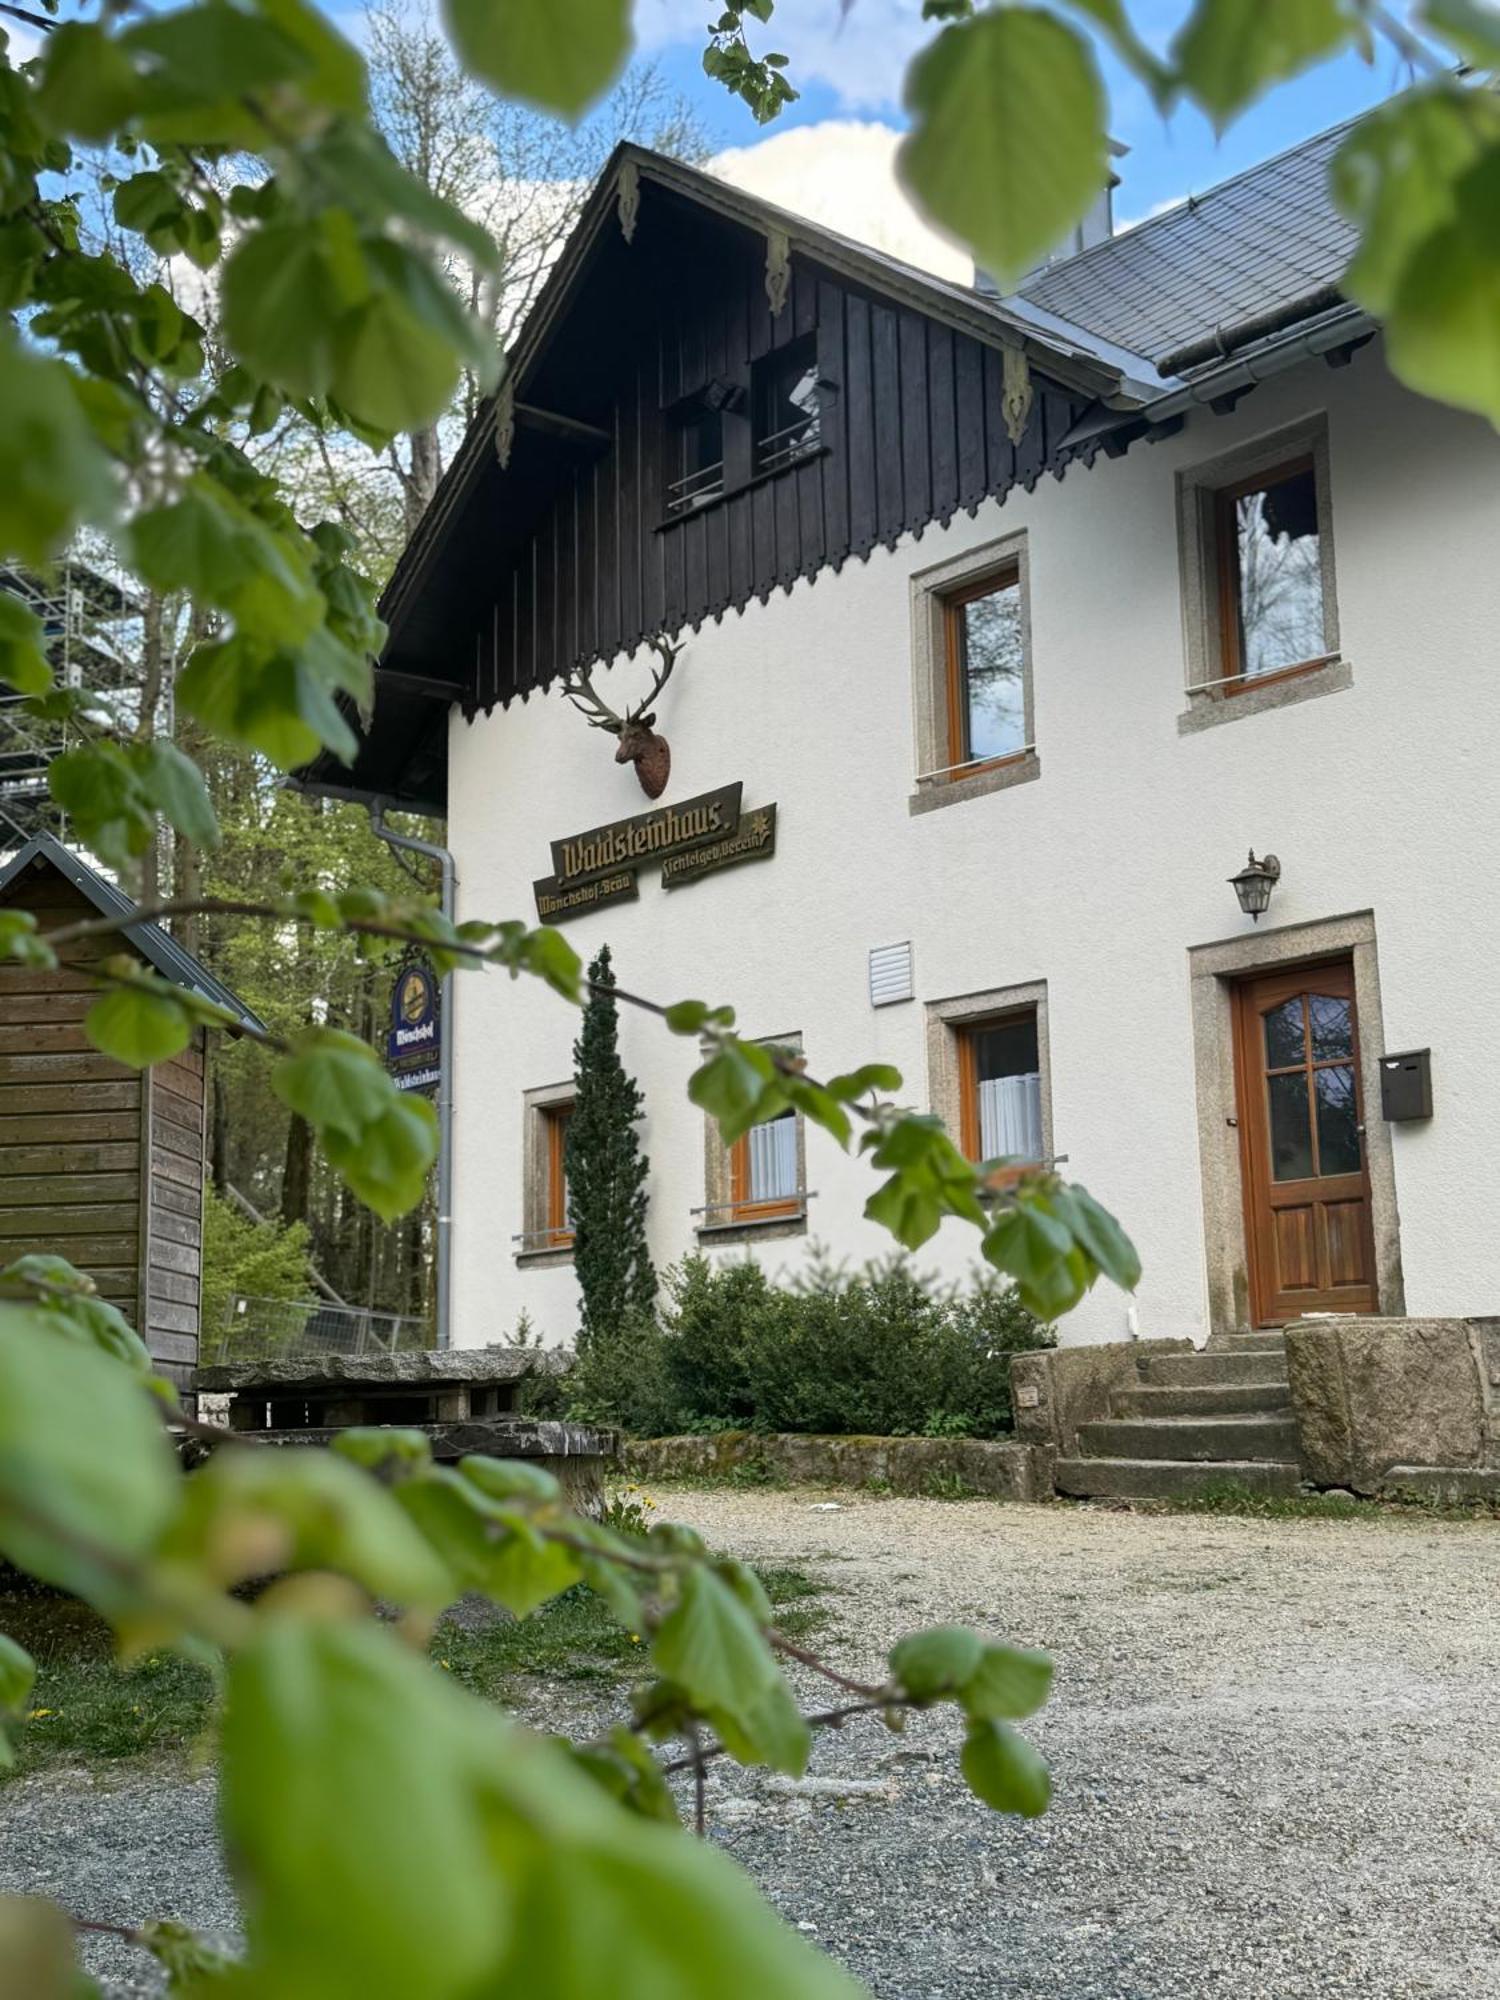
(266, 1329)
(791, 442)
(694, 488)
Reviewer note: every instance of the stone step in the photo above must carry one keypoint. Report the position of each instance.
(1245, 1340)
(1185, 1371)
(1171, 1479)
(1205, 1399)
(1195, 1438)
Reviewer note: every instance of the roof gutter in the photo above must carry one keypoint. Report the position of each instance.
(1271, 351)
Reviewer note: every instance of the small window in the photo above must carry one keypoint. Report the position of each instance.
(1269, 557)
(986, 660)
(764, 1175)
(559, 1219)
(547, 1234)
(699, 460)
(1000, 1085)
(789, 396)
(760, 1182)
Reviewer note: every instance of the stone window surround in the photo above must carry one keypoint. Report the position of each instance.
(718, 1181)
(1213, 971)
(944, 1020)
(930, 588)
(1203, 651)
(535, 1175)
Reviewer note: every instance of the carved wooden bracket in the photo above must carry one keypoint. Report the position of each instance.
(778, 270)
(505, 421)
(628, 199)
(1015, 393)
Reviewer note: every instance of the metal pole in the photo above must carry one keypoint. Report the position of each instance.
(444, 1245)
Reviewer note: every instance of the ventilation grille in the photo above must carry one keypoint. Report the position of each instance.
(890, 974)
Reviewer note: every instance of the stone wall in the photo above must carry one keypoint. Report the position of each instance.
(1006, 1470)
(1055, 1390)
(1389, 1404)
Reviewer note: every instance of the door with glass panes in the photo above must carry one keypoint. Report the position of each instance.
(1307, 1188)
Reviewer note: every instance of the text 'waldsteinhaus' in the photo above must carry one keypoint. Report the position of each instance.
(964, 752)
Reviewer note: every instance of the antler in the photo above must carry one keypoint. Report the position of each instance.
(580, 690)
(667, 653)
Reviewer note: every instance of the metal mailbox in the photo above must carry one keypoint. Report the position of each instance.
(1406, 1085)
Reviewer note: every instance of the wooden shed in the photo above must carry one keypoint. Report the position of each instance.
(99, 1163)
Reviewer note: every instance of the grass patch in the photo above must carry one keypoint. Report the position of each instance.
(1231, 1498)
(87, 1709)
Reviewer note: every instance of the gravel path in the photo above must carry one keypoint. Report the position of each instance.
(1274, 1744)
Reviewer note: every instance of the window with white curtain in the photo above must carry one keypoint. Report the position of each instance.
(1002, 1078)
(772, 1160)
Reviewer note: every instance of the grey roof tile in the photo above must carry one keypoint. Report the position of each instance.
(1261, 240)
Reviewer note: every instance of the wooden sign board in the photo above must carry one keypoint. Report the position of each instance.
(754, 839)
(619, 845)
(556, 904)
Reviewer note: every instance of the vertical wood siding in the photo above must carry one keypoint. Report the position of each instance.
(913, 433)
(77, 1177)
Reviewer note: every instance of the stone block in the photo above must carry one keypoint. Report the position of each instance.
(1000, 1469)
(1370, 1394)
(1054, 1390)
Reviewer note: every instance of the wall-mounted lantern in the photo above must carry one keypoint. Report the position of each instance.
(1254, 883)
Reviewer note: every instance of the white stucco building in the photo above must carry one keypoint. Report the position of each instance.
(1019, 729)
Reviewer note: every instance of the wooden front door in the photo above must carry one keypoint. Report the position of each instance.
(1307, 1189)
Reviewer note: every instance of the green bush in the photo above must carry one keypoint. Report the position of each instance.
(882, 1351)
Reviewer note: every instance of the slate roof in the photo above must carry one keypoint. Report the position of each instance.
(150, 940)
(1264, 240)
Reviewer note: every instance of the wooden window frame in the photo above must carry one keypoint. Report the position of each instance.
(1226, 562)
(955, 680)
(741, 1207)
(555, 1121)
(966, 1035)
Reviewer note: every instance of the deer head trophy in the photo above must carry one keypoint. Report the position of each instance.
(639, 743)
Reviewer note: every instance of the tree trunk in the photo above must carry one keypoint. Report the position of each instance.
(296, 1172)
(422, 476)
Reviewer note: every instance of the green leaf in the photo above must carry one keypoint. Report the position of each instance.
(935, 1662)
(510, 1479)
(368, 177)
(1230, 51)
(1113, 20)
(17, 1676)
(286, 288)
(733, 1086)
(354, 1818)
(175, 787)
(88, 87)
(36, 1950)
(381, 1445)
(334, 1081)
(710, 1646)
(210, 545)
(557, 54)
(1007, 147)
(388, 1164)
(397, 355)
(70, 1510)
(1036, 1250)
(56, 476)
(1001, 1768)
(253, 1513)
(1472, 27)
(487, 1548)
(281, 703)
(1009, 1683)
(1396, 178)
(691, 1017)
(23, 660)
(139, 1025)
(1098, 1233)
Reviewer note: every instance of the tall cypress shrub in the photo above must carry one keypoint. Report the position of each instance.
(607, 1172)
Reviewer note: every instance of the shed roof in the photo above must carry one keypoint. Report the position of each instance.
(150, 940)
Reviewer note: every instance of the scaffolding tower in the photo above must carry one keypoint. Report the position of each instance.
(92, 629)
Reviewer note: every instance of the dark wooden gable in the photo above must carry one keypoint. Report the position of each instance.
(551, 544)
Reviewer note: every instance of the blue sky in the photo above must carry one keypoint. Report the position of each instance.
(852, 68)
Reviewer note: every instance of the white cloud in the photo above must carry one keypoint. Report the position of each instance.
(842, 173)
(860, 52)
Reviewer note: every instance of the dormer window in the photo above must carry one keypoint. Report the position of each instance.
(789, 396)
(699, 459)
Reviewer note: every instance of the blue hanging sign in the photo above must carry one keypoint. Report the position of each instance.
(415, 1039)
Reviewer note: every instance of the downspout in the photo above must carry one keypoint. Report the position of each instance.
(444, 1245)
